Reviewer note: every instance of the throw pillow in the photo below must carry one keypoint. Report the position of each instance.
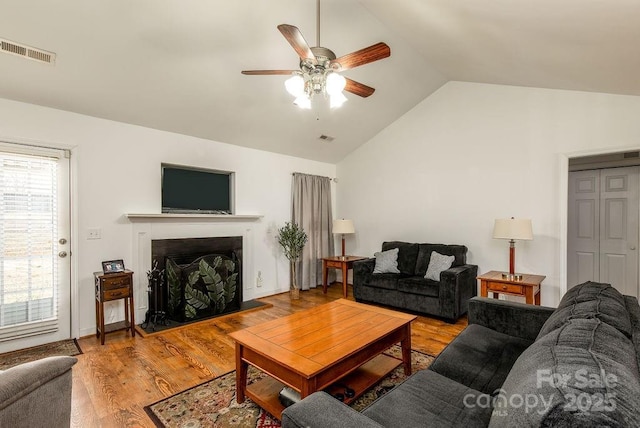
(437, 264)
(386, 261)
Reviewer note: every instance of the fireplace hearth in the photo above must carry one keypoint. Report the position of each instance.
(202, 276)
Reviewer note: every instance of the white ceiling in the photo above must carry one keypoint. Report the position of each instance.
(175, 64)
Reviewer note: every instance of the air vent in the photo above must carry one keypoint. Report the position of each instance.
(326, 138)
(27, 52)
(631, 155)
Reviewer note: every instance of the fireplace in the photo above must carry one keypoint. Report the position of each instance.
(202, 277)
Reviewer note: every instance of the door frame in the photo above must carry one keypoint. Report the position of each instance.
(564, 201)
(74, 328)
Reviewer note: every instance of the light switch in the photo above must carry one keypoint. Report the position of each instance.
(94, 233)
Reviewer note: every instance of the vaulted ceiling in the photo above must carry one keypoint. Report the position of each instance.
(175, 65)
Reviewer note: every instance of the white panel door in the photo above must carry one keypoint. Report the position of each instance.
(604, 211)
(583, 258)
(619, 207)
(35, 269)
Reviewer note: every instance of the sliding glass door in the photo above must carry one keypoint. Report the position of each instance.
(34, 246)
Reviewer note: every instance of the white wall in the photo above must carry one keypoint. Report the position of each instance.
(471, 153)
(466, 155)
(117, 171)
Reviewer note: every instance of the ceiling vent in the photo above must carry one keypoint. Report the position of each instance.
(28, 52)
(326, 138)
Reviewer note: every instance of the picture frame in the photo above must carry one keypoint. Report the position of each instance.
(113, 266)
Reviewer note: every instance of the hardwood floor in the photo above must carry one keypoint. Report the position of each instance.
(113, 382)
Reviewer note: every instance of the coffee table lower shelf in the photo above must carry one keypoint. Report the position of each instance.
(265, 391)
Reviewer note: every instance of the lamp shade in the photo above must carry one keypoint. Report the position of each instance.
(343, 226)
(336, 100)
(335, 83)
(295, 85)
(513, 228)
(303, 102)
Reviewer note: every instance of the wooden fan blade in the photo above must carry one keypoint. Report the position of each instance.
(358, 88)
(266, 72)
(297, 41)
(363, 56)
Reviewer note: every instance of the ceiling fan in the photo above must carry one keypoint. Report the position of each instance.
(319, 68)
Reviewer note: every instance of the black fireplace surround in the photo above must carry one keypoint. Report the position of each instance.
(202, 276)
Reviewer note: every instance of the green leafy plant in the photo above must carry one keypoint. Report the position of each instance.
(292, 238)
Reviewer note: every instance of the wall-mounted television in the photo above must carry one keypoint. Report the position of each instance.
(196, 190)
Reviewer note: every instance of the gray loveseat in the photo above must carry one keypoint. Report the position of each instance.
(515, 365)
(37, 394)
(409, 289)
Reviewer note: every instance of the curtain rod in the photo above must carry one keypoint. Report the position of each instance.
(334, 179)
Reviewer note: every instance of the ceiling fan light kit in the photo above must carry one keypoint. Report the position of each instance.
(327, 82)
(319, 69)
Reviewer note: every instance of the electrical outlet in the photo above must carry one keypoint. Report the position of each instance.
(94, 233)
(259, 279)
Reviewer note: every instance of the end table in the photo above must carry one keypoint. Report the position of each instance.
(528, 287)
(338, 262)
(110, 287)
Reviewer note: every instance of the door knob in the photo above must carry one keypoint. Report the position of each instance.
(62, 254)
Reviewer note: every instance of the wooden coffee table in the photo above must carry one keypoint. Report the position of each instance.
(313, 349)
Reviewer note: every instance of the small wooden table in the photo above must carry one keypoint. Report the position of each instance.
(109, 287)
(312, 349)
(527, 287)
(338, 262)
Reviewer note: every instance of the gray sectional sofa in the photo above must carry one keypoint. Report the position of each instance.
(410, 290)
(37, 394)
(515, 365)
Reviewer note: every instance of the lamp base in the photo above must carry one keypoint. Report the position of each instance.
(512, 276)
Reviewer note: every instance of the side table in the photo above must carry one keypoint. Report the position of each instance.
(338, 262)
(110, 287)
(527, 287)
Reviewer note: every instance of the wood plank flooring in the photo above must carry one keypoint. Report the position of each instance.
(112, 383)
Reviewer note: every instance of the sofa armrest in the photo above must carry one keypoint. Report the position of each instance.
(362, 271)
(512, 318)
(37, 393)
(322, 410)
(457, 285)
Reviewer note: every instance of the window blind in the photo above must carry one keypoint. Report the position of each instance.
(28, 241)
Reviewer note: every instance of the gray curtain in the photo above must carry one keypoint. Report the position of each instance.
(312, 211)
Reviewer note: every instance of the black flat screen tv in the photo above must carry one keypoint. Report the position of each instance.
(196, 191)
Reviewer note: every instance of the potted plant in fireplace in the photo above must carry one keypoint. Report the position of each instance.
(292, 238)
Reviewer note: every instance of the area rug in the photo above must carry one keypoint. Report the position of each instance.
(68, 347)
(213, 403)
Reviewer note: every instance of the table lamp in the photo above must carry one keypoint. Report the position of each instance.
(512, 229)
(344, 227)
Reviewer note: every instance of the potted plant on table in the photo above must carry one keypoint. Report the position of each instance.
(292, 238)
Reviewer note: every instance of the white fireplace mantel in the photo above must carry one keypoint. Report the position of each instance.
(187, 217)
(147, 227)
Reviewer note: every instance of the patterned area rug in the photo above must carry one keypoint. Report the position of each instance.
(67, 347)
(213, 403)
